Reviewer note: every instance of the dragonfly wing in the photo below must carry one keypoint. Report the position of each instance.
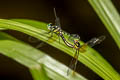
(57, 20)
(95, 41)
(91, 43)
(72, 37)
(101, 38)
(73, 62)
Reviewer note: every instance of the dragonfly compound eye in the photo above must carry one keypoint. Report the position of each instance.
(49, 26)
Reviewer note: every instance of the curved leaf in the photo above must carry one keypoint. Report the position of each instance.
(90, 58)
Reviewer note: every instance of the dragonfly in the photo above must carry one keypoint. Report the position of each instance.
(73, 38)
(82, 48)
(57, 30)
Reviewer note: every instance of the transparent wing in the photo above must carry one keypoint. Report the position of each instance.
(95, 41)
(57, 20)
(72, 37)
(73, 62)
(92, 43)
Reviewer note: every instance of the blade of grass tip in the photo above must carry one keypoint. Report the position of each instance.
(39, 73)
(32, 58)
(90, 58)
(109, 16)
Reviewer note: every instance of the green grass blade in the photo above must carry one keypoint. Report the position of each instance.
(33, 59)
(90, 58)
(109, 16)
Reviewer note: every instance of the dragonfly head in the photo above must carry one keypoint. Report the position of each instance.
(50, 26)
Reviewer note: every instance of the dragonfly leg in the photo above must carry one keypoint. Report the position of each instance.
(33, 40)
(73, 62)
(51, 35)
(76, 60)
(40, 45)
(70, 65)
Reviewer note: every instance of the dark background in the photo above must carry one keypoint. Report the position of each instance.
(77, 16)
